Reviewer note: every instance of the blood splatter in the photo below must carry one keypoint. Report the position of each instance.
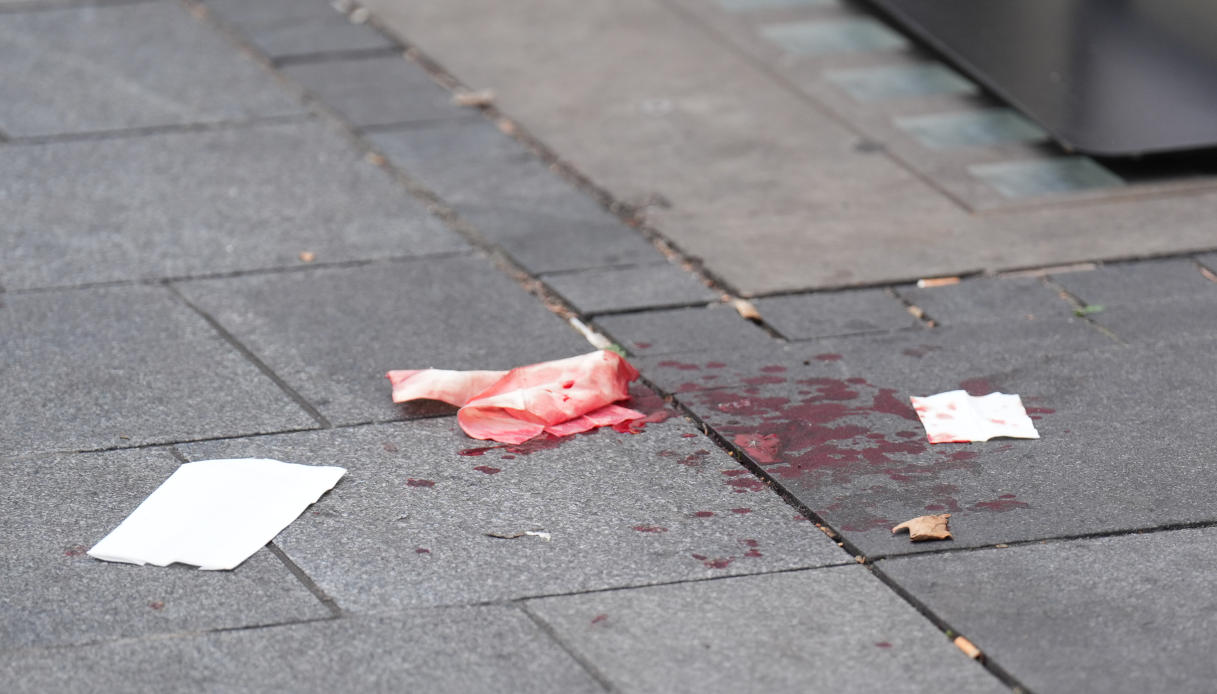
(773, 369)
(678, 365)
(650, 528)
(703, 514)
(75, 551)
(829, 357)
(422, 550)
(419, 483)
(487, 470)
(741, 511)
(1003, 503)
(688, 436)
(599, 618)
(977, 386)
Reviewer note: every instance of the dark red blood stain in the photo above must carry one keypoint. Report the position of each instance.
(753, 553)
(678, 365)
(507, 456)
(763, 448)
(856, 381)
(773, 369)
(694, 459)
(650, 528)
(486, 469)
(156, 605)
(828, 357)
(687, 387)
(1040, 410)
(747, 484)
(799, 517)
(476, 451)
(419, 483)
(750, 543)
(764, 380)
(688, 436)
(698, 557)
(599, 618)
(709, 377)
(715, 365)
(883, 644)
(741, 511)
(734, 472)
(907, 434)
(977, 386)
(935, 507)
(718, 563)
(422, 550)
(568, 384)
(1005, 502)
(76, 551)
(542, 442)
(642, 345)
(703, 514)
(667, 454)
(389, 447)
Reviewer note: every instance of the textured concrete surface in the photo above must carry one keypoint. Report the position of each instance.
(457, 650)
(411, 522)
(376, 91)
(683, 329)
(801, 631)
(332, 333)
(54, 508)
(202, 202)
(622, 289)
(86, 370)
(841, 313)
(283, 28)
(107, 68)
(989, 301)
(1117, 614)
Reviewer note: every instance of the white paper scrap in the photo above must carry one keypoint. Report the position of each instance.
(215, 514)
(955, 416)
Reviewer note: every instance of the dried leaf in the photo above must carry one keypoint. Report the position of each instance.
(474, 99)
(924, 528)
(969, 649)
(747, 310)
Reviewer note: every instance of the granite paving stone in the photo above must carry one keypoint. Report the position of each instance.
(988, 300)
(623, 289)
(805, 316)
(54, 507)
(114, 67)
(124, 366)
(332, 333)
(1137, 283)
(454, 651)
(1122, 439)
(408, 526)
(1119, 614)
(198, 203)
(282, 28)
(800, 631)
(1151, 322)
(377, 91)
(684, 330)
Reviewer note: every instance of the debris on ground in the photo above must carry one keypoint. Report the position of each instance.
(969, 649)
(214, 514)
(924, 528)
(562, 397)
(474, 98)
(957, 417)
(747, 310)
(936, 282)
(526, 533)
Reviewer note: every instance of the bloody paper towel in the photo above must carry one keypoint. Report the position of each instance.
(214, 514)
(955, 416)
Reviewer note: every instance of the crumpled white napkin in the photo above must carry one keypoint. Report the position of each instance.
(955, 416)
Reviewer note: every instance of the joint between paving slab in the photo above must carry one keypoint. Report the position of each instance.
(167, 129)
(307, 581)
(1079, 307)
(49, 5)
(587, 665)
(253, 359)
(335, 56)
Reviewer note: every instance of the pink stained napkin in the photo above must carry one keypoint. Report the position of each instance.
(957, 417)
(560, 397)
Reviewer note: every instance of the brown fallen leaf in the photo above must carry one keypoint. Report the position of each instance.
(969, 649)
(474, 99)
(747, 310)
(926, 528)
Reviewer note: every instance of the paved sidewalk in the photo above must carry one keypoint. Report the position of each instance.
(222, 222)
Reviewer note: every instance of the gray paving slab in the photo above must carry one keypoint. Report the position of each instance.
(989, 300)
(1136, 283)
(1042, 177)
(834, 629)
(883, 82)
(377, 91)
(1122, 438)
(630, 288)
(332, 333)
(281, 28)
(125, 66)
(456, 650)
(1151, 322)
(199, 203)
(55, 507)
(801, 317)
(408, 525)
(1209, 261)
(856, 34)
(684, 330)
(124, 366)
(1116, 614)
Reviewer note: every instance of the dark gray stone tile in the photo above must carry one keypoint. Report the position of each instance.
(123, 66)
(1116, 614)
(989, 300)
(1123, 439)
(1136, 283)
(512, 197)
(1151, 322)
(54, 508)
(124, 366)
(376, 91)
(332, 333)
(196, 203)
(750, 634)
(804, 316)
(281, 28)
(455, 651)
(1209, 261)
(623, 289)
(407, 526)
(684, 330)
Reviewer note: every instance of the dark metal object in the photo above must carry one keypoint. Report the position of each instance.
(1104, 77)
